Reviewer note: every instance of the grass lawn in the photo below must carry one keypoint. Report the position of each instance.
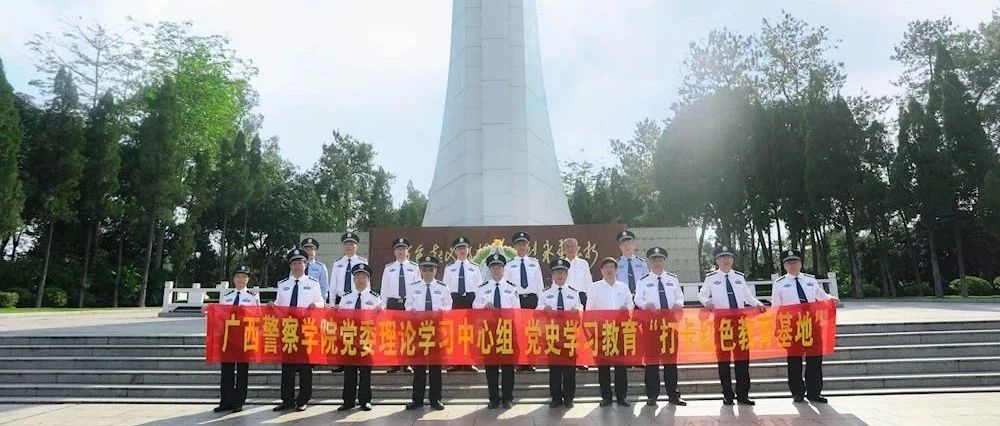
(39, 310)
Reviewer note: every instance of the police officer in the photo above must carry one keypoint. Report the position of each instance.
(660, 289)
(561, 296)
(498, 293)
(579, 276)
(233, 387)
(611, 294)
(298, 290)
(726, 288)
(794, 288)
(340, 283)
(427, 294)
(315, 268)
(358, 378)
(630, 266)
(462, 277)
(525, 272)
(396, 279)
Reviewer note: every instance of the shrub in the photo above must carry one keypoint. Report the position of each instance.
(25, 298)
(8, 299)
(870, 290)
(56, 297)
(977, 286)
(914, 290)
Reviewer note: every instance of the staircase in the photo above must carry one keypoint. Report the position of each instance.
(870, 359)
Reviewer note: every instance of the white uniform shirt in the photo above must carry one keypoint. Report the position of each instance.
(338, 272)
(485, 294)
(783, 291)
(713, 291)
(369, 299)
(579, 276)
(647, 290)
(247, 298)
(473, 276)
(309, 292)
(534, 273)
(604, 296)
(390, 278)
(416, 298)
(550, 297)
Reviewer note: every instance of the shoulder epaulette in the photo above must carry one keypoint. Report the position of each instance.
(780, 278)
(572, 288)
(508, 282)
(286, 279)
(230, 292)
(738, 273)
(644, 277)
(810, 276)
(373, 293)
(711, 273)
(672, 274)
(484, 284)
(311, 278)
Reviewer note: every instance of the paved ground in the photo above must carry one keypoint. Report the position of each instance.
(138, 322)
(930, 409)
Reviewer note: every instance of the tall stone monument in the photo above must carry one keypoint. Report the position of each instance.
(496, 164)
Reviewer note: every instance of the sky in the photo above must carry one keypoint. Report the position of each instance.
(377, 69)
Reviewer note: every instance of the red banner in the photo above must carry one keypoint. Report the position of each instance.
(515, 336)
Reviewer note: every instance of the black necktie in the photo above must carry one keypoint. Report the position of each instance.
(496, 296)
(357, 302)
(559, 301)
(524, 275)
(428, 305)
(294, 301)
(402, 282)
(663, 294)
(802, 291)
(631, 276)
(731, 293)
(347, 277)
(461, 278)
(237, 301)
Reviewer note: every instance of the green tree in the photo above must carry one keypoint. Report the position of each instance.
(11, 190)
(411, 212)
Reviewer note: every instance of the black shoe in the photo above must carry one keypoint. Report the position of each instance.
(798, 398)
(624, 403)
(366, 406)
(454, 369)
(345, 407)
(437, 405)
(473, 369)
(391, 370)
(302, 407)
(237, 408)
(493, 405)
(526, 368)
(337, 369)
(220, 408)
(414, 405)
(407, 369)
(582, 368)
(651, 402)
(568, 403)
(745, 401)
(677, 401)
(605, 403)
(555, 403)
(282, 407)
(818, 399)
(727, 401)
(506, 404)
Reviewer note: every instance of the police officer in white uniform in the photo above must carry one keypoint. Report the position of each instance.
(462, 277)
(579, 276)
(561, 296)
(794, 288)
(726, 288)
(428, 294)
(298, 290)
(233, 383)
(660, 289)
(340, 272)
(526, 273)
(630, 266)
(498, 293)
(315, 268)
(396, 279)
(611, 294)
(358, 378)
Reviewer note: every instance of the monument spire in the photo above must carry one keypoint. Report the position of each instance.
(496, 163)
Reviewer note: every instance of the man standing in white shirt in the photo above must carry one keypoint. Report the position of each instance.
(428, 294)
(660, 290)
(560, 296)
(526, 273)
(498, 293)
(611, 294)
(579, 275)
(396, 279)
(794, 288)
(340, 273)
(233, 383)
(630, 266)
(462, 278)
(358, 378)
(302, 291)
(727, 289)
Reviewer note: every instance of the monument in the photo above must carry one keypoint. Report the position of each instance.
(496, 163)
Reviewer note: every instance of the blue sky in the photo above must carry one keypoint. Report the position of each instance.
(378, 69)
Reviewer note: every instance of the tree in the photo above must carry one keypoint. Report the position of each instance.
(411, 212)
(11, 190)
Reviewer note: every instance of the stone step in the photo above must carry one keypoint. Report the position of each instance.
(271, 376)
(917, 337)
(522, 390)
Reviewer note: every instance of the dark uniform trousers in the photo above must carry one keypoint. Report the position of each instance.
(652, 376)
(813, 384)
(233, 386)
(500, 381)
(288, 373)
(562, 382)
(740, 360)
(357, 384)
(621, 381)
(420, 373)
